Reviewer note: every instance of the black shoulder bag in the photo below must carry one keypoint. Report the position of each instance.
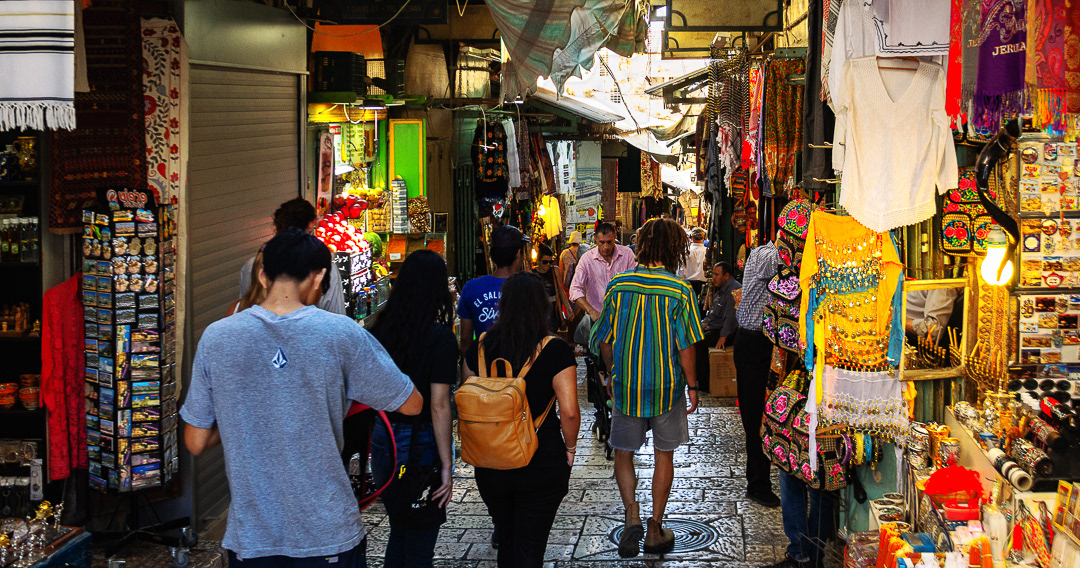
(417, 508)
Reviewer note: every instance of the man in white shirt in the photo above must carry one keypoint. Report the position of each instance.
(694, 269)
(928, 312)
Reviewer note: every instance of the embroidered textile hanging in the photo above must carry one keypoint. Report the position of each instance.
(650, 177)
(782, 136)
(999, 88)
(164, 55)
(1045, 65)
(37, 64)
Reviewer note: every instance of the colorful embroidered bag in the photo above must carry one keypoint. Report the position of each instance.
(965, 223)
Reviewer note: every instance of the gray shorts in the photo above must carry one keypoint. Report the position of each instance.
(670, 429)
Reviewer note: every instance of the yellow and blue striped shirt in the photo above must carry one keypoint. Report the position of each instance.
(649, 316)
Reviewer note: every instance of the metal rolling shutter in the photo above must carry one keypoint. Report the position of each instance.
(244, 162)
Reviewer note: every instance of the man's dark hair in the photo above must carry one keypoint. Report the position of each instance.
(724, 267)
(605, 229)
(296, 214)
(522, 321)
(295, 254)
(662, 241)
(543, 250)
(506, 241)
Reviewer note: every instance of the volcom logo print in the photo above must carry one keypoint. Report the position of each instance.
(280, 360)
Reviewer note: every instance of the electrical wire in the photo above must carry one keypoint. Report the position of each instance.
(396, 14)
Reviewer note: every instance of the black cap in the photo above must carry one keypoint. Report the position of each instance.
(508, 237)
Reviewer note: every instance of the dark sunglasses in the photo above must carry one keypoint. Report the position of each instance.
(545, 262)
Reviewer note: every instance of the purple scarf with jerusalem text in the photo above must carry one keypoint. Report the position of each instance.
(1000, 86)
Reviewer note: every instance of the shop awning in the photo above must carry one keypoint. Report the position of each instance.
(679, 88)
(576, 107)
(679, 179)
(556, 38)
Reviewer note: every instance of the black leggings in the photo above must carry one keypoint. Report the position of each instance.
(523, 503)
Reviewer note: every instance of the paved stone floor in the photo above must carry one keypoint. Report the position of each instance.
(709, 487)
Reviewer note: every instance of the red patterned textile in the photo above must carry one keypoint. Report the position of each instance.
(62, 368)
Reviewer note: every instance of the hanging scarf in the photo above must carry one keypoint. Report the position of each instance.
(650, 177)
(754, 122)
(782, 122)
(37, 53)
(970, 22)
(1072, 59)
(1045, 69)
(956, 59)
(831, 12)
(999, 89)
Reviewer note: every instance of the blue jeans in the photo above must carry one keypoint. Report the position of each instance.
(806, 533)
(406, 548)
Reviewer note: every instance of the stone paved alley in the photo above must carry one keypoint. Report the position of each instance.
(709, 487)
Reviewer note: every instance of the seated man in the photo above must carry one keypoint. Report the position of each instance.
(719, 323)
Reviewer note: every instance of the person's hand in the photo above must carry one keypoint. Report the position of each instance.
(721, 342)
(594, 315)
(445, 491)
(570, 458)
(693, 401)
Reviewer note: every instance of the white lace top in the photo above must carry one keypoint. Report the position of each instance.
(893, 149)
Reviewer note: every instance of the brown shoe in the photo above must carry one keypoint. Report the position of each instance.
(632, 533)
(659, 539)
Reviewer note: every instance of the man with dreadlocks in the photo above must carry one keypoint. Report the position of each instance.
(648, 327)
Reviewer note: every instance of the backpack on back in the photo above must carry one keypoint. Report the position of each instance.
(494, 420)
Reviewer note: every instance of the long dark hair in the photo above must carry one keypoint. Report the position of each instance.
(522, 321)
(420, 297)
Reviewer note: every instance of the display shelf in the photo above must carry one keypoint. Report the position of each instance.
(20, 339)
(973, 457)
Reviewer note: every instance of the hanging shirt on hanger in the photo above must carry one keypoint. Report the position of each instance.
(893, 145)
(513, 167)
(911, 27)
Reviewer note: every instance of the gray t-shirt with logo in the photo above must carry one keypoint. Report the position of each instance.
(278, 388)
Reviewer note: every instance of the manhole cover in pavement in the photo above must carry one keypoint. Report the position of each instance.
(690, 535)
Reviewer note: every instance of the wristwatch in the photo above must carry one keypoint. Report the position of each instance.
(693, 388)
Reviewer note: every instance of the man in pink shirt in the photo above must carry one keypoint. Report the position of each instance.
(595, 269)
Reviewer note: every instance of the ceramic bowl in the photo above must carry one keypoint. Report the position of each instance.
(30, 397)
(8, 388)
(7, 401)
(30, 380)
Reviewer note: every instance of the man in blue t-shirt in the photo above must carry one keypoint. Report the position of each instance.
(272, 384)
(478, 305)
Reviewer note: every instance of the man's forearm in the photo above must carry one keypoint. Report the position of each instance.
(585, 305)
(688, 359)
(608, 357)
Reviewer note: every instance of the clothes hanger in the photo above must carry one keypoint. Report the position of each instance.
(915, 59)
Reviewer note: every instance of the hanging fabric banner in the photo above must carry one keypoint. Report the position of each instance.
(37, 62)
(165, 58)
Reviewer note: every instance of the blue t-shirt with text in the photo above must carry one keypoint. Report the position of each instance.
(479, 302)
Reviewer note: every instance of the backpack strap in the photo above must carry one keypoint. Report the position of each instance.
(480, 355)
(539, 421)
(540, 348)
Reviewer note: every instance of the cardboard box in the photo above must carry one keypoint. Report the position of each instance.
(722, 372)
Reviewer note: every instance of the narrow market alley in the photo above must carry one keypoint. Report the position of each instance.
(709, 488)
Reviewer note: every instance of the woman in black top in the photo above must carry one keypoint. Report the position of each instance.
(523, 501)
(414, 327)
(553, 286)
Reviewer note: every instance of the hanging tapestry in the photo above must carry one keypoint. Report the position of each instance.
(782, 137)
(164, 54)
(1072, 60)
(37, 56)
(108, 149)
(489, 158)
(970, 26)
(965, 224)
(1045, 71)
(999, 87)
(650, 177)
(956, 62)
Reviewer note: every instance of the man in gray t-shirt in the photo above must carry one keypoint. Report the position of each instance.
(275, 382)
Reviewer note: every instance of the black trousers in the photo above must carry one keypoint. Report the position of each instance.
(523, 503)
(701, 354)
(753, 355)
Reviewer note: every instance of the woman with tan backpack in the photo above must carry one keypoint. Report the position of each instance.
(522, 446)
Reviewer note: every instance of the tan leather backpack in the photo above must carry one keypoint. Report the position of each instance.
(494, 421)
